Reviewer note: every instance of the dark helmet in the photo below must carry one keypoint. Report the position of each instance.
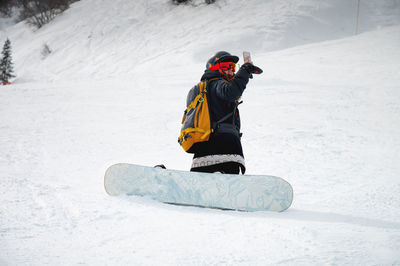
(221, 56)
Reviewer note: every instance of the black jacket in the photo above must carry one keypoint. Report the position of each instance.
(222, 98)
(223, 95)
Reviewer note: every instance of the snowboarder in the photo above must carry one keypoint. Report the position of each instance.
(223, 151)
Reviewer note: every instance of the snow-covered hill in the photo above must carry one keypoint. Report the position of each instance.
(103, 39)
(325, 115)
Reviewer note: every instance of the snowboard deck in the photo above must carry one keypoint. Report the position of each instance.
(206, 190)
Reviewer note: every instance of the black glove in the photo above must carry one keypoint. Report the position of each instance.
(251, 69)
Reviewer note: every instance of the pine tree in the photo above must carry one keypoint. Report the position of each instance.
(6, 65)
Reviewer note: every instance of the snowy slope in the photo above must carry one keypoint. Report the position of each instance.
(325, 115)
(102, 39)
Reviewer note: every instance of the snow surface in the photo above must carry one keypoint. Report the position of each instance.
(325, 115)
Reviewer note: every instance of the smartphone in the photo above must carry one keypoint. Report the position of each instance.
(247, 57)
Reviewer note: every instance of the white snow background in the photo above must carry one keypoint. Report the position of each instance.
(324, 115)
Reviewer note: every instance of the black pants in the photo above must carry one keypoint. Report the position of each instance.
(225, 168)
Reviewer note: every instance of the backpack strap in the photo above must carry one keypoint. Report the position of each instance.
(222, 127)
(229, 115)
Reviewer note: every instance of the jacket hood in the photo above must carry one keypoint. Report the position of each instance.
(208, 74)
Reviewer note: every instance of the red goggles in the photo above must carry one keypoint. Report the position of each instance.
(224, 66)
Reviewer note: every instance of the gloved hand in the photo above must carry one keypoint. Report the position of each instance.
(252, 69)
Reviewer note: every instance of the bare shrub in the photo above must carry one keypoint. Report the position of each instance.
(40, 12)
(46, 51)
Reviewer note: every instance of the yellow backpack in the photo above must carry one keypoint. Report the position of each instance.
(196, 122)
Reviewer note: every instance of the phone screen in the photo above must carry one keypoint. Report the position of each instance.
(246, 57)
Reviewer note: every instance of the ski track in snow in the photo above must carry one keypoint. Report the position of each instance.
(325, 115)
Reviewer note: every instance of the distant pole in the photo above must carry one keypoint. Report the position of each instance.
(358, 15)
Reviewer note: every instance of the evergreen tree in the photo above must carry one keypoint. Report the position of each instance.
(6, 65)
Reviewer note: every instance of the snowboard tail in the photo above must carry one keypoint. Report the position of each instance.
(220, 191)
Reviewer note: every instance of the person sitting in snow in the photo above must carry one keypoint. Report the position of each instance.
(223, 151)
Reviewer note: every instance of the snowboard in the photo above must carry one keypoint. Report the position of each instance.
(208, 190)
